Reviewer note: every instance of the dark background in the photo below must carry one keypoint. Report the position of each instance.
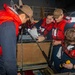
(67, 5)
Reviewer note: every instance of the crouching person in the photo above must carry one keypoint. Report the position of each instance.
(68, 52)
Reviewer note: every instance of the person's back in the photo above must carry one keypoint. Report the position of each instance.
(9, 23)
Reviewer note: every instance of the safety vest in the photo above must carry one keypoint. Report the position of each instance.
(58, 30)
(69, 50)
(9, 15)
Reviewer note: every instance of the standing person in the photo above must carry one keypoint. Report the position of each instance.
(9, 24)
(60, 26)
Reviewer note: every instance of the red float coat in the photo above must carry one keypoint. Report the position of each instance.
(58, 30)
(46, 27)
(9, 15)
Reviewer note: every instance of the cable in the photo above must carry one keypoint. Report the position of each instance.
(21, 70)
(45, 56)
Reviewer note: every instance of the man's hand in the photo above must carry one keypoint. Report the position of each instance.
(18, 73)
(68, 66)
(40, 38)
(55, 42)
